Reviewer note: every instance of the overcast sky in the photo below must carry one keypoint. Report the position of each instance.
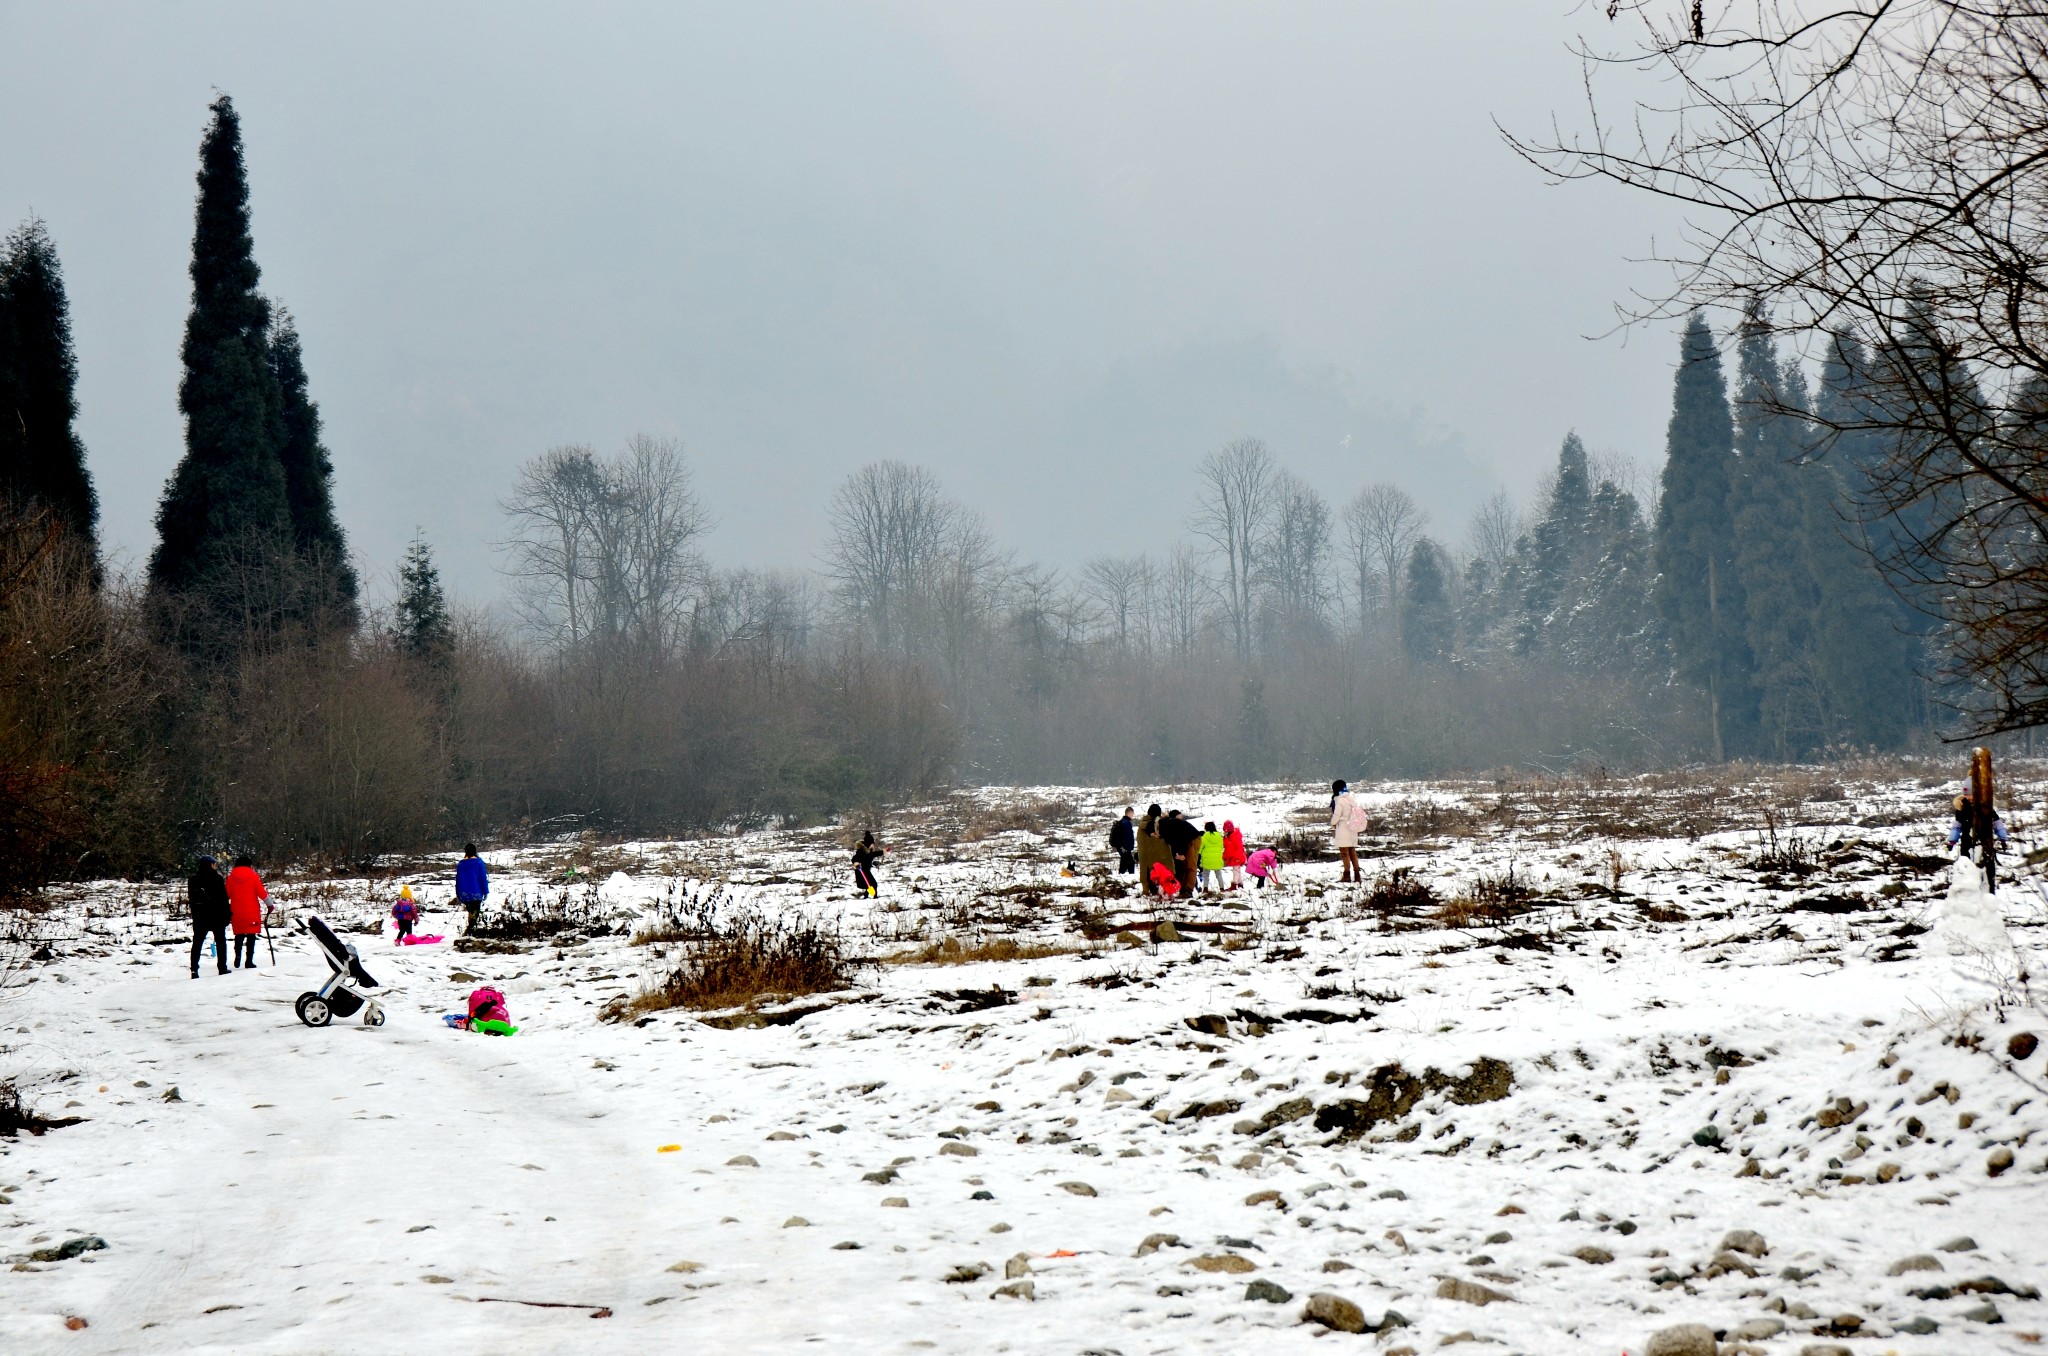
(1055, 252)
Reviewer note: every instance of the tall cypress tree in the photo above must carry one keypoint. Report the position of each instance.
(1768, 508)
(41, 457)
(1698, 592)
(1864, 646)
(226, 503)
(1428, 623)
(330, 579)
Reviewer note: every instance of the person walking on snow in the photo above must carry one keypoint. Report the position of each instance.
(209, 900)
(1210, 858)
(1123, 837)
(1233, 855)
(1347, 821)
(246, 901)
(1152, 850)
(472, 884)
(404, 914)
(864, 858)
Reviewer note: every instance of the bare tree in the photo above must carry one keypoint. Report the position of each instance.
(1120, 587)
(1491, 535)
(1294, 568)
(892, 530)
(1381, 524)
(1239, 477)
(1185, 594)
(604, 552)
(1874, 175)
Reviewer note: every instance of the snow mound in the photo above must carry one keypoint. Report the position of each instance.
(1970, 922)
(617, 888)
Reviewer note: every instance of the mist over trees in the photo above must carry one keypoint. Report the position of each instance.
(250, 692)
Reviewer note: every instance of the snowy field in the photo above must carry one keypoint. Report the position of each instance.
(1633, 1060)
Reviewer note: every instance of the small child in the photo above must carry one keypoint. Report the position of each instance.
(1233, 855)
(404, 913)
(1264, 866)
(1164, 881)
(1211, 859)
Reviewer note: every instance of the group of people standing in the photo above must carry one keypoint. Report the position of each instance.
(218, 904)
(1210, 859)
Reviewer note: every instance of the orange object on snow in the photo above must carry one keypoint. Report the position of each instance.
(1162, 877)
(1062, 1253)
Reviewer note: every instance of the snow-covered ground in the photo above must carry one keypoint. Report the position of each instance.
(1758, 1086)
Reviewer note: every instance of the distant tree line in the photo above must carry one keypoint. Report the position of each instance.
(245, 694)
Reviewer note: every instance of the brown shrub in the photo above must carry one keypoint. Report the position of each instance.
(953, 951)
(742, 956)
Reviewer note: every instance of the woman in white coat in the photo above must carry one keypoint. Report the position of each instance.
(1347, 821)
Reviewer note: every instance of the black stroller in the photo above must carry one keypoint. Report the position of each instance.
(335, 998)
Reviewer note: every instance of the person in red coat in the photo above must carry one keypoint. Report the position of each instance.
(246, 898)
(1233, 854)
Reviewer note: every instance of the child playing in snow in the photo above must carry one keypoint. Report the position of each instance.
(1164, 882)
(1211, 859)
(487, 1013)
(1233, 855)
(864, 858)
(404, 913)
(1265, 867)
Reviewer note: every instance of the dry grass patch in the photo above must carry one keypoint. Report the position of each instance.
(953, 951)
(741, 957)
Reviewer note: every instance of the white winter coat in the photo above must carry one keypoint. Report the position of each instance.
(1347, 820)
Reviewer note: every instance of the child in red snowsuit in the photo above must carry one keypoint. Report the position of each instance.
(246, 898)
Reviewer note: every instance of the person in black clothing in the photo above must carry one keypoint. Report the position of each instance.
(208, 895)
(1123, 836)
(1182, 838)
(864, 858)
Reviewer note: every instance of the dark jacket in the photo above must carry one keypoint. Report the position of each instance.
(1179, 834)
(208, 895)
(1123, 835)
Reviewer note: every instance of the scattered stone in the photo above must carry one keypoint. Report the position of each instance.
(999, 1228)
(2000, 1160)
(1228, 1263)
(1023, 1290)
(780, 1136)
(1333, 1265)
(895, 1203)
(689, 1267)
(171, 1095)
(1919, 1261)
(75, 1247)
(1154, 1242)
(1468, 1292)
(1334, 1312)
(1745, 1241)
(1886, 1172)
(1392, 1194)
(1077, 1188)
(1757, 1330)
(1919, 1326)
(1017, 1267)
(1391, 1092)
(1265, 1198)
(988, 1106)
(1625, 1227)
(1707, 1136)
(958, 1150)
(1987, 1312)
(1496, 1239)
(1686, 1339)
(1961, 1243)
(1797, 1274)
(983, 1195)
(1825, 1349)
(836, 1247)
(2023, 1045)
(881, 1176)
(1267, 1291)
(1592, 1256)
(1166, 931)
(741, 1161)
(1115, 1095)
(971, 1271)
(796, 1222)
(1725, 1263)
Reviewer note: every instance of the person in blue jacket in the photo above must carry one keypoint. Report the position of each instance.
(472, 883)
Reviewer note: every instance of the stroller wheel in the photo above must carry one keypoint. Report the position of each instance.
(373, 1015)
(314, 1010)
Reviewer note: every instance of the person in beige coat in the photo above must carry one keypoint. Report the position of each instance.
(1347, 821)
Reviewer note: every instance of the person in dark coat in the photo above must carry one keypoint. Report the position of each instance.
(1182, 839)
(208, 895)
(1152, 849)
(864, 858)
(1123, 836)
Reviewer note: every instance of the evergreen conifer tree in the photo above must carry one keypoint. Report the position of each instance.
(329, 578)
(1428, 624)
(1769, 511)
(225, 516)
(1558, 546)
(1863, 646)
(421, 624)
(41, 457)
(1698, 594)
